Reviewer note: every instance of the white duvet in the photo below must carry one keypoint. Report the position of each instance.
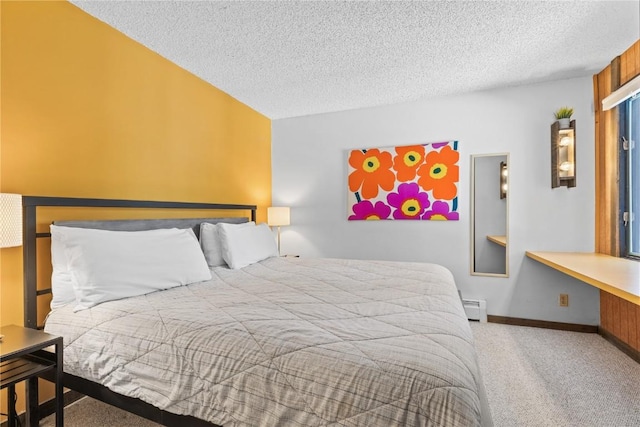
(289, 342)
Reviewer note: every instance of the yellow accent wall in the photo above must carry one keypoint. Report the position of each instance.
(87, 112)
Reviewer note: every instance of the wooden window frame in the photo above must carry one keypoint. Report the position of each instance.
(608, 227)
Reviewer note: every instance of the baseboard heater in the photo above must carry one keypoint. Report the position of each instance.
(475, 309)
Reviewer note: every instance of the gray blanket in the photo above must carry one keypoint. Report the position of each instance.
(289, 342)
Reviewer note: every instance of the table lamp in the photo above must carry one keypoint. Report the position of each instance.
(276, 217)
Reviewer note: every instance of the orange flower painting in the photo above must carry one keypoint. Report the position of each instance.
(440, 173)
(371, 172)
(407, 162)
(415, 182)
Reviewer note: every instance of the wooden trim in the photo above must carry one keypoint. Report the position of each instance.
(555, 179)
(615, 74)
(630, 64)
(620, 318)
(606, 157)
(622, 69)
(573, 327)
(621, 345)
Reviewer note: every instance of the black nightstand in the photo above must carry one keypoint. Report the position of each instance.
(23, 358)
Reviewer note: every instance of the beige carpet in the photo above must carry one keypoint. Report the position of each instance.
(541, 377)
(88, 412)
(534, 377)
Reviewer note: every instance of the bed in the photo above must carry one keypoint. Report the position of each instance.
(282, 341)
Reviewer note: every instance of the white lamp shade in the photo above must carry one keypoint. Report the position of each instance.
(10, 220)
(277, 216)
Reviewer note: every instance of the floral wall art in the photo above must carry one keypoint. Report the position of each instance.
(418, 182)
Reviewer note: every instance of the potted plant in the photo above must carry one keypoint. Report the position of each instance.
(563, 115)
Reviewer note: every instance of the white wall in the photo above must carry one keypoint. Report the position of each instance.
(309, 158)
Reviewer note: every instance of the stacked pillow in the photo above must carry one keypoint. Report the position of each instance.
(236, 245)
(92, 266)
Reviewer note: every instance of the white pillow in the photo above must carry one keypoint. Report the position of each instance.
(109, 265)
(242, 246)
(211, 243)
(61, 283)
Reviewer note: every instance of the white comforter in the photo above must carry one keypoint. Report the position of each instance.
(289, 342)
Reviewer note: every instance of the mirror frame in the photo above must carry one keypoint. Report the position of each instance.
(473, 217)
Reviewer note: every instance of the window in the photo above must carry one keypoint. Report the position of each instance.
(630, 176)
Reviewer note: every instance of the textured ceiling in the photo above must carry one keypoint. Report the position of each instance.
(287, 59)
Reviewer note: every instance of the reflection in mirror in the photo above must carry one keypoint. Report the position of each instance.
(489, 221)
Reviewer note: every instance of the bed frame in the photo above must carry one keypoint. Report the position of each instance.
(31, 294)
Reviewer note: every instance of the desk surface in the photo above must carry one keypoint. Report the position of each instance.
(500, 240)
(617, 276)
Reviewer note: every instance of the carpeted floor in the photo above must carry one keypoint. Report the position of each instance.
(542, 377)
(534, 377)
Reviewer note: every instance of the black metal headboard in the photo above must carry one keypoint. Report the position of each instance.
(29, 205)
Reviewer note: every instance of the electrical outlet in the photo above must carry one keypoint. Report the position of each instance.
(564, 300)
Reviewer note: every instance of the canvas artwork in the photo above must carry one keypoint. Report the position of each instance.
(418, 182)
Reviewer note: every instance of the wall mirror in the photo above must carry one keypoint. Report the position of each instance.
(490, 214)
